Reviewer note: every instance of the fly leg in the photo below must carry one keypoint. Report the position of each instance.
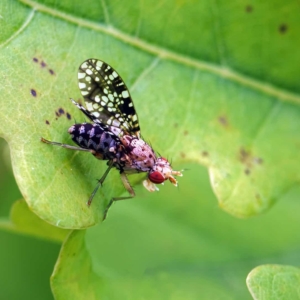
(97, 155)
(128, 187)
(124, 178)
(100, 182)
(67, 146)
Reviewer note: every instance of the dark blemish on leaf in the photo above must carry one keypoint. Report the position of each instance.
(56, 119)
(182, 154)
(33, 92)
(185, 132)
(283, 28)
(68, 116)
(51, 72)
(61, 111)
(258, 160)
(204, 153)
(250, 161)
(247, 171)
(43, 64)
(47, 122)
(35, 60)
(249, 8)
(244, 155)
(57, 114)
(223, 121)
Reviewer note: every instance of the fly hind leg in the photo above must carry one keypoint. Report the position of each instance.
(128, 187)
(68, 146)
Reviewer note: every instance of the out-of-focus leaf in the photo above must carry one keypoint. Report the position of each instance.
(22, 220)
(73, 276)
(274, 282)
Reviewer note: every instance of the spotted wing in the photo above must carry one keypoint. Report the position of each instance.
(107, 97)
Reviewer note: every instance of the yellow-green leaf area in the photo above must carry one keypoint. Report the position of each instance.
(24, 221)
(274, 282)
(73, 277)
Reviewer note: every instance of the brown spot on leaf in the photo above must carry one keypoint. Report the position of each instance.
(68, 116)
(247, 171)
(43, 64)
(250, 161)
(33, 92)
(283, 28)
(35, 60)
(244, 155)
(249, 8)
(258, 160)
(223, 121)
(51, 72)
(204, 153)
(182, 154)
(47, 122)
(61, 111)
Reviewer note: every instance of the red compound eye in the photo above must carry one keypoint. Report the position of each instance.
(156, 177)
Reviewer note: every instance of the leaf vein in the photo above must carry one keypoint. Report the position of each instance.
(21, 29)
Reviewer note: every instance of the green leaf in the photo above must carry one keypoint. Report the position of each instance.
(274, 282)
(156, 248)
(214, 83)
(22, 220)
(206, 84)
(73, 277)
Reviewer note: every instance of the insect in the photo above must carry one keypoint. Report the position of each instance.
(114, 131)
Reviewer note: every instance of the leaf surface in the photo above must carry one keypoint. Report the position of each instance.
(214, 94)
(22, 220)
(274, 282)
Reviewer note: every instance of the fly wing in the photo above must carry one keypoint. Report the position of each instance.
(107, 97)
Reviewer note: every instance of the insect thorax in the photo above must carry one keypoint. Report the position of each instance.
(141, 156)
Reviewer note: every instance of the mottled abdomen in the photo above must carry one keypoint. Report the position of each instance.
(96, 137)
